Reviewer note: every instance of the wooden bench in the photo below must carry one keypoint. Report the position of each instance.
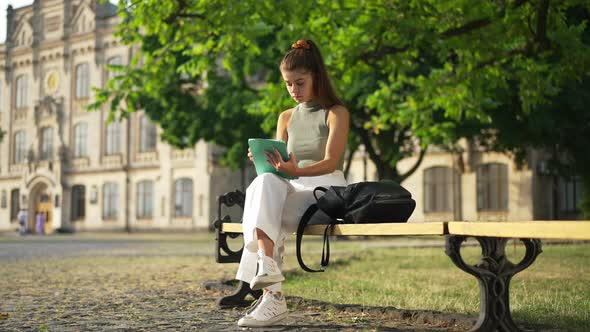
(494, 271)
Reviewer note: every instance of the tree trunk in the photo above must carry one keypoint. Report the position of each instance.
(348, 162)
(386, 172)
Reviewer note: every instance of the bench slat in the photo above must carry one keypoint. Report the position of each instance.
(427, 228)
(572, 230)
(231, 227)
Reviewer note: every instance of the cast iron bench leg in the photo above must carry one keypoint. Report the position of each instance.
(223, 253)
(493, 272)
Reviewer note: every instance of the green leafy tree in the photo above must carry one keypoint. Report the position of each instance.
(509, 75)
(193, 74)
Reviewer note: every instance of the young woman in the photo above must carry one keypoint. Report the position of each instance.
(316, 133)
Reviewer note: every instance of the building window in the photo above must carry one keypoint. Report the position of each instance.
(492, 187)
(570, 194)
(439, 183)
(110, 200)
(148, 135)
(14, 204)
(80, 135)
(21, 91)
(20, 147)
(145, 199)
(183, 198)
(114, 61)
(82, 80)
(46, 143)
(78, 202)
(3, 200)
(113, 144)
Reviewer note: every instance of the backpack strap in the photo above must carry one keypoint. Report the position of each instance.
(322, 189)
(311, 210)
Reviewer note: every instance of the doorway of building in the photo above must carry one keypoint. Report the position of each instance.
(40, 209)
(45, 208)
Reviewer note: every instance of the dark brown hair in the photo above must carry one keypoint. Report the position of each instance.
(305, 56)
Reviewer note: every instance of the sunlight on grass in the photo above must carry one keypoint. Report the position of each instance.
(554, 291)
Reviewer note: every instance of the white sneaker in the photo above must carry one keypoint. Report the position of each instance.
(270, 309)
(268, 273)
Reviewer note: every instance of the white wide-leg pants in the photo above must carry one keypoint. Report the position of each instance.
(275, 205)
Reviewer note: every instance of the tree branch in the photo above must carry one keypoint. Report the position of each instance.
(180, 13)
(367, 143)
(476, 24)
(519, 3)
(541, 35)
(466, 28)
(346, 169)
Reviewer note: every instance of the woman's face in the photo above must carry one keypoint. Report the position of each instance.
(299, 84)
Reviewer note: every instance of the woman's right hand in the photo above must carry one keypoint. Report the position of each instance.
(250, 155)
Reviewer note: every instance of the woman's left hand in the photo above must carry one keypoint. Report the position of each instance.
(285, 167)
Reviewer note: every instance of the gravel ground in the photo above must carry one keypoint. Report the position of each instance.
(119, 282)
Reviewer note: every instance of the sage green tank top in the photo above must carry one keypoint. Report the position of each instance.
(308, 134)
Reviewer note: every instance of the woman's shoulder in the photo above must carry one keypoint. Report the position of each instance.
(338, 109)
(285, 116)
(337, 114)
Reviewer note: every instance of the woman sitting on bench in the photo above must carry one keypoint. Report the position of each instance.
(316, 133)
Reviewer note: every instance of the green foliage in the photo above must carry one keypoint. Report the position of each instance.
(511, 75)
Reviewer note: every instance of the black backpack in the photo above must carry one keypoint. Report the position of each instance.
(358, 203)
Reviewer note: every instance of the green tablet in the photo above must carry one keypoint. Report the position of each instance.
(258, 148)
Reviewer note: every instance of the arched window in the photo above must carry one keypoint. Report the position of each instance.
(492, 187)
(113, 139)
(439, 192)
(20, 146)
(148, 135)
(80, 137)
(78, 202)
(183, 198)
(46, 143)
(21, 92)
(82, 80)
(110, 200)
(145, 199)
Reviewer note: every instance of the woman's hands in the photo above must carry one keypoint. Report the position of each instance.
(285, 167)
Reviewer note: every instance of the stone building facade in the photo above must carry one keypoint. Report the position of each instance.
(66, 163)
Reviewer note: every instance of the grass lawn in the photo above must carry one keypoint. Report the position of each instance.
(553, 292)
